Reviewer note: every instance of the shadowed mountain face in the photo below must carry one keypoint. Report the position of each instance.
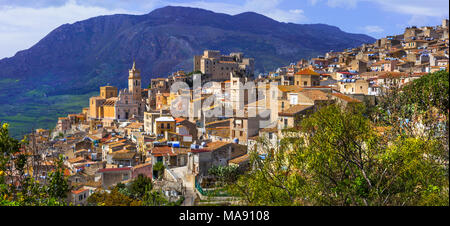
(77, 58)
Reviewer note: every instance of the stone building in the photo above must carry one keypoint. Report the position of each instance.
(217, 67)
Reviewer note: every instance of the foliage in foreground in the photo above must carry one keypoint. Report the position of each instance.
(339, 156)
(138, 193)
(19, 189)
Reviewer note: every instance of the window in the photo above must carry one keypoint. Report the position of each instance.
(162, 125)
(282, 105)
(168, 125)
(270, 135)
(293, 99)
(305, 83)
(285, 122)
(241, 133)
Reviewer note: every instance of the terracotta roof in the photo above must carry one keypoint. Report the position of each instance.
(75, 160)
(240, 159)
(114, 169)
(142, 165)
(294, 110)
(315, 94)
(178, 120)
(393, 74)
(135, 125)
(162, 151)
(290, 88)
(119, 155)
(216, 145)
(346, 98)
(79, 191)
(307, 71)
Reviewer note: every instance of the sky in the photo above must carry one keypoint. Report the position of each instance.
(24, 22)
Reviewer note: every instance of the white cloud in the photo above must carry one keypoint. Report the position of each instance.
(296, 11)
(342, 3)
(431, 8)
(21, 27)
(265, 7)
(373, 29)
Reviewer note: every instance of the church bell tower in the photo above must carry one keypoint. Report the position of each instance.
(134, 83)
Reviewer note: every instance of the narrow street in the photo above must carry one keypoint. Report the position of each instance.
(188, 184)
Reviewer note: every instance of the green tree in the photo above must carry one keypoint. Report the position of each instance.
(113, 198)
(224, 174)
(337, 158)
(18, 189)
(140, 186)
(159, 168)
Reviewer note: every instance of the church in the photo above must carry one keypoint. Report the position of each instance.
(112, 105)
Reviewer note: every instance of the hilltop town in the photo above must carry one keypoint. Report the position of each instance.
(177, 128)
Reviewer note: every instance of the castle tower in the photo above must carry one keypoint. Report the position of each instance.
(134, 83)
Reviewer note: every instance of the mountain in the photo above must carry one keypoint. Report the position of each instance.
(75, 59)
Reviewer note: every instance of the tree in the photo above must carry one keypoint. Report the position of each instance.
(18, 189)
(337, 158)
(113, 198)
(140, 186)
(159, 168)
(58, 186)
(224, 174)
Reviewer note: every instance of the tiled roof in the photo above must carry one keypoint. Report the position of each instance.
(75, 160)
(79, 191)
(114, 169)
(294, 110)
(216, 145)
(346, 98)
(134, 125)
(142, 165)
(123, 155)
(240, 159)
(162, 151)
(393, 74)
(178, 120)
(290, 88)
(307, 71)
(315, 94)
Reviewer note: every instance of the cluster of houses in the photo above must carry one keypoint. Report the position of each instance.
(125, 133)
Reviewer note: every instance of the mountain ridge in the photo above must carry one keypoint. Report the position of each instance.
(77, 58)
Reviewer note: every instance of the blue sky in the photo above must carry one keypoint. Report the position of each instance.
(25, 22)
